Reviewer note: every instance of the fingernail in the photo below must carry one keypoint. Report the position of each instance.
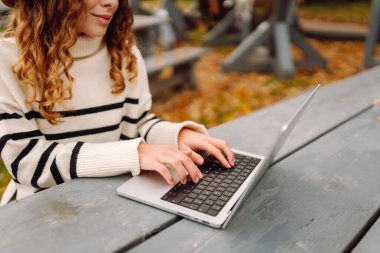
(184, 181)
(196, 179)
(200, 161)
(171, 181)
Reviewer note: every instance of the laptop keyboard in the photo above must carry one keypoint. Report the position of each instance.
(216, 187)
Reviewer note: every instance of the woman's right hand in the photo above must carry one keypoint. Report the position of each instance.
(160, 157)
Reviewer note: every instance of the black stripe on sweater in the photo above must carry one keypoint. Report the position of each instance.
(125, 137)
(4, 116)
(55, 172)
(78, 133)
(86, 111)
(150, 128)
(146, 121)
(134, 121)
(72, 134)
(18, 136)
(23, 153)
(73, 160)
(41, 164)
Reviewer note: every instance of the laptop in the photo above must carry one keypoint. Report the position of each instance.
(215, 199)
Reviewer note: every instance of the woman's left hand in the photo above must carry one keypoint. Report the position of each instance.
(195, 141)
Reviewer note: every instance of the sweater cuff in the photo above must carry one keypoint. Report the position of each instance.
(167, 132)
(109, 159)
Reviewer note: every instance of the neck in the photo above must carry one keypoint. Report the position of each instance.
(86, 46)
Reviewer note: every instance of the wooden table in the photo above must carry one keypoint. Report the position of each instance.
(322, 195)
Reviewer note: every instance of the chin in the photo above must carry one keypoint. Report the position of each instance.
(96, 32)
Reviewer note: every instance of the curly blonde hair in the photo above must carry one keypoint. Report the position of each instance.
(45, 31)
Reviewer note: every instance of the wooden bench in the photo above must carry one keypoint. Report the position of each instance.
(180, 59)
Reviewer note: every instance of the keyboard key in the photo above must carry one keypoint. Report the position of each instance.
(210, 188)
(202, 197)
(217, 193)
(197, 191)
(228, 194)
(218, 181)
(214, 184)
(224, 184)
(212, 212)
(221, 189)
(216, 208)
(201, 187)
(198, 201)
(193, 195)
(203, 208)
(220, 202)
(191, 206)
(244, 174)
(178, 198)
(204, 183)
(240, 178)
(207, 193)
(234, 185)
(208, 179)
(227, 181)
(212, 176)
(188, 200)
(209, 202)
(231, 189)
(223, 198)
(213, 197)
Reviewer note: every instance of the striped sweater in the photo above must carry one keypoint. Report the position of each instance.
(100, 132)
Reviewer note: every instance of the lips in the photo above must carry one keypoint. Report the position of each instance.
(104, 19)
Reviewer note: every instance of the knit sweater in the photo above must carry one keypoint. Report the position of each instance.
(100, 132)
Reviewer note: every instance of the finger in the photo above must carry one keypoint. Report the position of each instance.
(221, 144)
(213, 150)
(164, 171)
(175, 163)
(186, 150)
(198, 159)
(191, 168)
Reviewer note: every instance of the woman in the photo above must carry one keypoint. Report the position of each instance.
(75, 100)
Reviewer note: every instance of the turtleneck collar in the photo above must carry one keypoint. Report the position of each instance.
(86, 46)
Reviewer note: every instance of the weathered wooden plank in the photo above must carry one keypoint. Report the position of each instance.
(104, 221)
(172, 58)
(83, 215)
(144, 21)
(316, 200)
(370, 243)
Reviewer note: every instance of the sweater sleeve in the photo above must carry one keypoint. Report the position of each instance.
(152, 129)
(33, 160)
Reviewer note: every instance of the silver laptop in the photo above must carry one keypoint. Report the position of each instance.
(218, 195)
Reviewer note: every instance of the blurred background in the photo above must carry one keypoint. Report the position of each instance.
(210, 94)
